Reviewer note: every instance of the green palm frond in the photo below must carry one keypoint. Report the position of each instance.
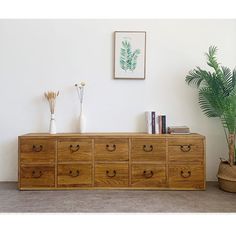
(208, 104)
(212, 61)
(196, 77)
(217, 90)
(233, 83)
(228, 81)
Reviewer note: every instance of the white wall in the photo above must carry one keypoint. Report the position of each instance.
(38, 55)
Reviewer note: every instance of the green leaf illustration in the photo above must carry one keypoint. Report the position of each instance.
(128, 59)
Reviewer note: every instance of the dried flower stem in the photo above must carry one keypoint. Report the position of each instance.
(80, 91)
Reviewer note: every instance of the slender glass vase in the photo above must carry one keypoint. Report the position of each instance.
(82, 120)
(52, 126)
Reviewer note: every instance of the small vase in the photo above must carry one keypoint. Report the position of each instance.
(52, 127)
(82, 123)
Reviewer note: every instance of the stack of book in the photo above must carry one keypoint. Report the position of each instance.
(155, 124)
(178, 130)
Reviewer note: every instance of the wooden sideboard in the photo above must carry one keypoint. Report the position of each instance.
(111, 161)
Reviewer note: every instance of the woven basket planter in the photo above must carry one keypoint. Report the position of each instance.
(227, 177)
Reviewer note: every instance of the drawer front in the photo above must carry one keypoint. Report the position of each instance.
(147, 175)
(186, 176)
(111, 175)
(111, 149)
(74, 150)
(185, 150)
(37, 176)
(148, 150)
(70, 175)
(37, 151)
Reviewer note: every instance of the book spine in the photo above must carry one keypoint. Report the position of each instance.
(148, 122)
(160, 124)
(157, 124)
(163, 119)
(153, 122)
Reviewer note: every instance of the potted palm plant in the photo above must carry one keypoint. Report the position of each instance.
(217, 98)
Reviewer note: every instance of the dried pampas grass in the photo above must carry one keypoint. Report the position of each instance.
(51, 97)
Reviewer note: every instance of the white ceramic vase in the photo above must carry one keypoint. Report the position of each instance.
(82, 120)
(52, 127)
(82, 123)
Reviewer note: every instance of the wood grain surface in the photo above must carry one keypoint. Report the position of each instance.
(37, 176)
(37, 151)
(148, 149)
(186, 150)
(74, 150)
(111, 149)
(111, 175)
(148, 175)
(74, 175)
(186, 175)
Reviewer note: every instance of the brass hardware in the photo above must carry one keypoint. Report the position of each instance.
(112, 148)
(112, 175)
(37, 148)
(185, 174)
(36, 174)
(74, 174)
(147, 149)
(148, 174)
(185, 148)
(74, 149)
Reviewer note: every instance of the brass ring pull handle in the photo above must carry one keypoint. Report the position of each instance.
(37, 148)
(74, 148)
(185, 174)
(185, 148)
(74, 174)
(36, 174)
(148, 174)
(111, 175)
(147, 149)
(111, 148)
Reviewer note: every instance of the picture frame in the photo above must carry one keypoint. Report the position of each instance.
(130, 55)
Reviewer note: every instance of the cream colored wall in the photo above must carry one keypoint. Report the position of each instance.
(38, 55)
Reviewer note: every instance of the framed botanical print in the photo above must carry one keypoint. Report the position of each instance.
(130, 55)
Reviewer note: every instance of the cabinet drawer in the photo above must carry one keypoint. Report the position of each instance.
(71, 175)
(74, 150)
(148, 150)
(37, 176)
(185, 150)
(37, 151)
(146, 175)
(111, 175)
(111, 149)
(186, 176)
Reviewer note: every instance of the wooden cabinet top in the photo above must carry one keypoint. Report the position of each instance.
(110, 134)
